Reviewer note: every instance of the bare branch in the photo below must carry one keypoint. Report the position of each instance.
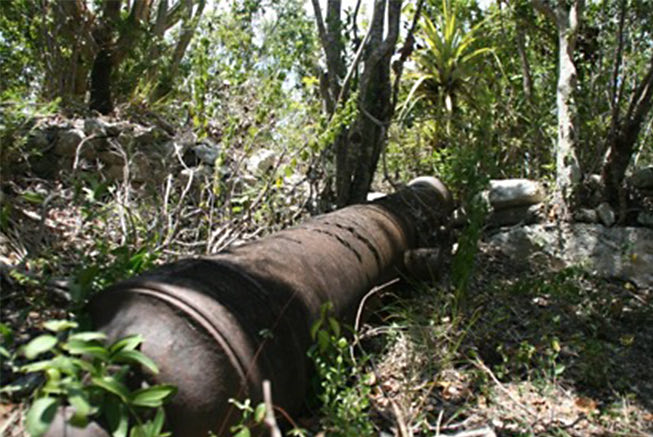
(406, 51)
(319, 20)
(355, 19)
(642, 100)
(344, 90)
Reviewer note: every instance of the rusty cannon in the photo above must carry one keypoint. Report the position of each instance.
(219, 326)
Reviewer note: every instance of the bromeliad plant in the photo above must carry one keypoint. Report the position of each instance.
(446, 62)
(89, 376)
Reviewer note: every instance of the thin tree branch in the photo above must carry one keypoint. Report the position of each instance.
(642, 100)
(355, 19)
(319, 20)
(405, 51)
(388, 44)
(344, 90)
(615, 101)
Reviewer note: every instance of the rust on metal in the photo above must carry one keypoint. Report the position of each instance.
(218, 326)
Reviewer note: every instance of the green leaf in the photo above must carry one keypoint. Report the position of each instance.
(82, 347)
(59, 325)
(153, 396)
(322, 340)
(64, 364)
(84, 365)
(39, 345)
(244, 432)
(38, 366)
(112, 385)
(315, 328)
(159, 421)
(131, 356)
(88, 336)
(40, 416)
(128, 343)
(7, 335)
(139, 431)
(79, 401)
(259, 413)
(33, 197)
(335, 326)
(117, 417)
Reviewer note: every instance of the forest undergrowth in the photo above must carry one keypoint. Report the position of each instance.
(524, 351)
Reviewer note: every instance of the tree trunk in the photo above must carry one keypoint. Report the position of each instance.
(615, 165)
(103, 63)
(623, 138)
(375, 97)
(101, 82)
(568, 175)
(357, 149)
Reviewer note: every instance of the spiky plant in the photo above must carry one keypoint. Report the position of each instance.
(446, 62)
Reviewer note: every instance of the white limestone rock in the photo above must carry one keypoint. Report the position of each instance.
(527, 214)
(606, 214)
(506, 193)
(261, 161)
(618, 252)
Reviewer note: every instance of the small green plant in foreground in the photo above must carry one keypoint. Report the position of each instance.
(250, 417)
(343, 390)
(83, 372)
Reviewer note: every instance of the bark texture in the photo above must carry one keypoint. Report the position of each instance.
(568, 175)
(85, 47)
(358, 148)
(623, 138)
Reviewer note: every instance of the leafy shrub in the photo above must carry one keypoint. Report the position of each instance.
(343, 389)
(83, 372)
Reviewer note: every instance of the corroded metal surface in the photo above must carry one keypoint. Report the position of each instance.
(218, 326)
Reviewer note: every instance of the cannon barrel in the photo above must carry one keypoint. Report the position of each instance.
(218, 326)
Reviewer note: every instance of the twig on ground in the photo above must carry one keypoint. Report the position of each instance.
(486, 431)
(359, 313)
(481, 365)
(404, 429)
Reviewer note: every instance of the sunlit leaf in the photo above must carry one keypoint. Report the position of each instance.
(88, 336)
(59, 325)
(132, 356)
(130, 342)
(259, 413)
(40, 416)
(92, 348)
(153, 396)
(39, 345)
